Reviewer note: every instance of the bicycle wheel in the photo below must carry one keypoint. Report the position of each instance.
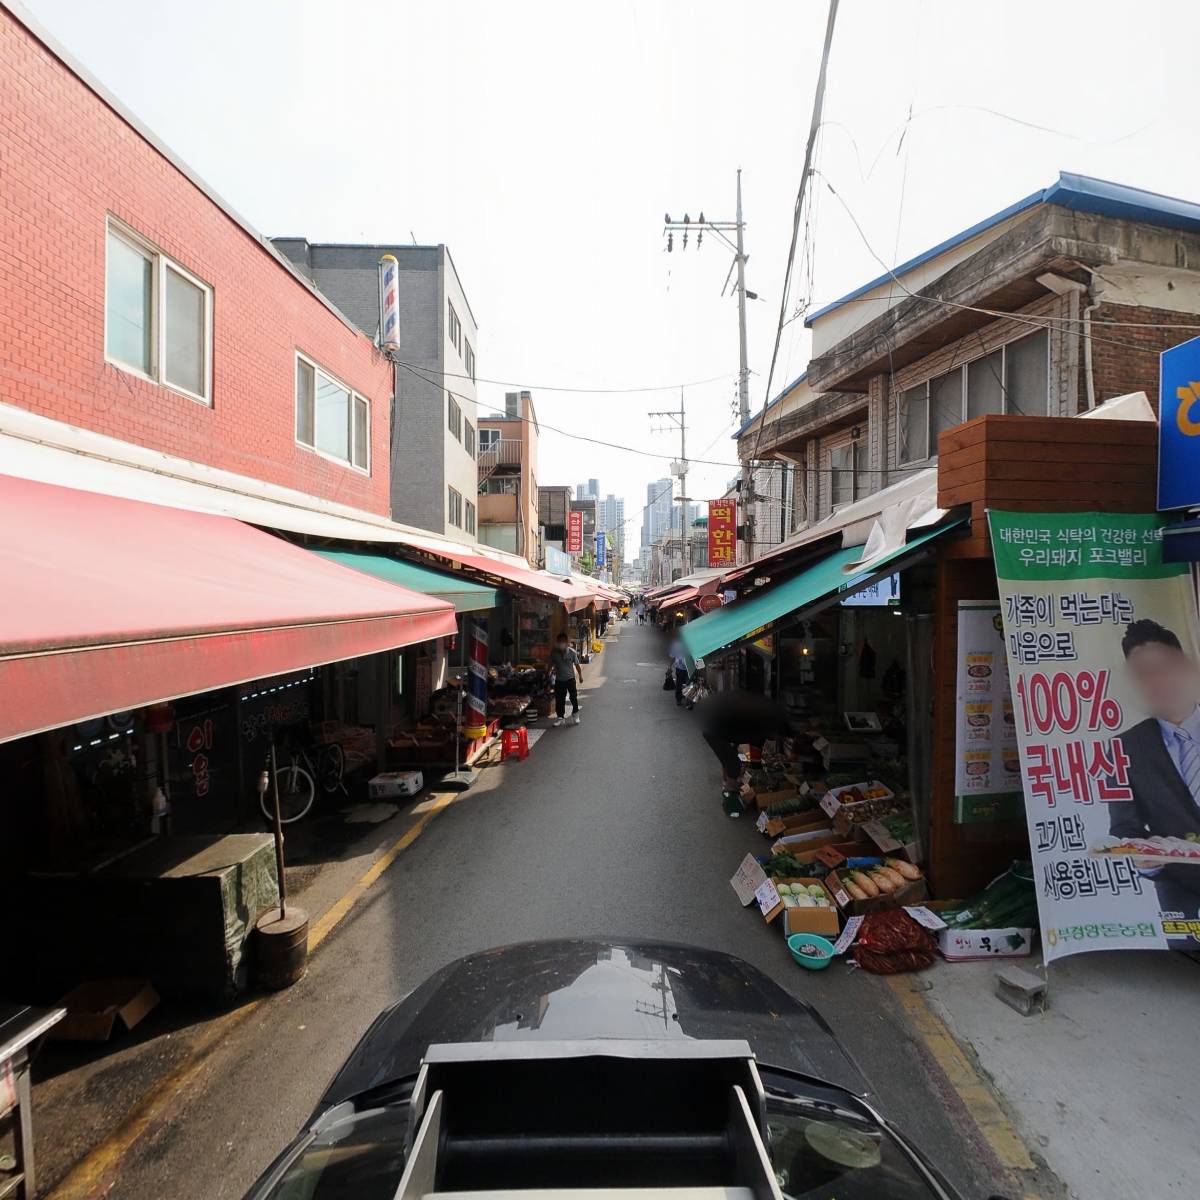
(296, 792)
(331, 766)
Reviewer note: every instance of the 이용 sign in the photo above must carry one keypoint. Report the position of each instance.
(574, 533)
(1104, 659)
(722, 533)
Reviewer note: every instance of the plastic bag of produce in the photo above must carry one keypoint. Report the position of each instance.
(892, 942)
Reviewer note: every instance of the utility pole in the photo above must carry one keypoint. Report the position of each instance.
(680, 469)
(722, 228)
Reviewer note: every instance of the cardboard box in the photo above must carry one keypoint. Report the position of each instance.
(808, 839)
(806, 920)
(764, 800)
(393, 785)
(960, 945)
(911, 893)
(95, 1007)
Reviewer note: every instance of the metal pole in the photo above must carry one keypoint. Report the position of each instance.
(278, 838)
(683, 523)
(743, 363)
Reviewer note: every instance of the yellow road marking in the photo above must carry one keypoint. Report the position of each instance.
(972, 1090)
(93, 1175)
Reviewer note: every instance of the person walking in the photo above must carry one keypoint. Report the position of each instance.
(564, 665)
(679, 665)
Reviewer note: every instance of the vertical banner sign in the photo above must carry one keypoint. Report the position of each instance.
(987, 768)
(1179, 426)
(601, 545)
(1101, 639)
(574, 532)
(722, 533)
(478, 671)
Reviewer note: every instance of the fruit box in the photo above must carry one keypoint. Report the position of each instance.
(808, 839)
(911, 893)
(806, 920)
(766, 799)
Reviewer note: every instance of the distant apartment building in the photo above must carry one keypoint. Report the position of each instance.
(507, 478)
(656, 515)
(434, 428)
(588, 490)
(610, 517)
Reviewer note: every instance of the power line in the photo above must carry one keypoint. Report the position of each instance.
(814, 126)
(543, 387)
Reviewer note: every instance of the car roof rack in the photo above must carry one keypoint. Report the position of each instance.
(609, 1118)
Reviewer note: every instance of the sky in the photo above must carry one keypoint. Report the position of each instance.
(544, 142)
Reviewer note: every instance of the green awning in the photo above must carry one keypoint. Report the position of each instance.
(824, 580)
(464, 594)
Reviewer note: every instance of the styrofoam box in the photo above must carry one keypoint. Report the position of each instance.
(959, 944)
(392, 784)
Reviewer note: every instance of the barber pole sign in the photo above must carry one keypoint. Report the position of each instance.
(722, 533)
(389, 303)
(478, 671)
(574, 533)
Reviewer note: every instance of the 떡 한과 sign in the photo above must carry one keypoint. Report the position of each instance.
(722, 533)
(1100, 635)
(574, 533)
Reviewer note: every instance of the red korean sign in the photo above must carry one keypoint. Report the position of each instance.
(722, 533)
(574, 533)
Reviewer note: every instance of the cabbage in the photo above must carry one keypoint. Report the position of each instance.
(784, 889)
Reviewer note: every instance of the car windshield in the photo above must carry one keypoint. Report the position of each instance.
(819, 1149)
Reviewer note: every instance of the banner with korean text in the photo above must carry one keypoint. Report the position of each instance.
(722, 533)
(1104, 661)
(575, 532)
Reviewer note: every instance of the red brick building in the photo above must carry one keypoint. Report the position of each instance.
(136, 304)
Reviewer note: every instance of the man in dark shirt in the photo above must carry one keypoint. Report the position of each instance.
(733, 717)
(564, 664)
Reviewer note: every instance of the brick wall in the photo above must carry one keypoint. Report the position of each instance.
(68, 160)
(1125, 356)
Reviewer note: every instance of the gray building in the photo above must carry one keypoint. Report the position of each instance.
(610, 516)
(434, 483)
(589, 490)
(656, 515)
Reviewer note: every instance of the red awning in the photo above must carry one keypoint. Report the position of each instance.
(110, 604)
(571, 596)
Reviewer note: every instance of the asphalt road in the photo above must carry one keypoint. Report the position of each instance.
(611, 828)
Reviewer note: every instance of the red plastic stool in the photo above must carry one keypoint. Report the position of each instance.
(514, 741)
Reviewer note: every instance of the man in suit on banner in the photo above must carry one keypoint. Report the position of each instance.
(1164, 757)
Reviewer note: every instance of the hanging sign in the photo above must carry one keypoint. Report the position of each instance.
(601, 547)
(722, 533)
(574, 532)
(987, 767)
(1103, 654)
(1179, 426)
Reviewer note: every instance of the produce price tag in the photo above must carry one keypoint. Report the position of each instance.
(925, 916)
(747, 879)
(767, 897)
(848, 935)
(761, 823)
(830, 804)
(843, 898)
(879, 833)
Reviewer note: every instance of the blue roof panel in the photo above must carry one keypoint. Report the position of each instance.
(1079, 192)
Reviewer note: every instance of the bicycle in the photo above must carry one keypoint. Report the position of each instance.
(297, 789)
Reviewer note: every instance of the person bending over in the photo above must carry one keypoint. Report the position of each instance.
(733, 717)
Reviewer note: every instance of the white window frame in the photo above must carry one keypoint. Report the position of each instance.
(454, 507)
(158, 326)
(453, 326)
(488, 438)
(470, 437)
(454, 417)
(301, 357)
(930, 440)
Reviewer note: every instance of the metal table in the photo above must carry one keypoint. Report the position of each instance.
(21, 1029)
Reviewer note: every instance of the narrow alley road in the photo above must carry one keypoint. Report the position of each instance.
(611, 828)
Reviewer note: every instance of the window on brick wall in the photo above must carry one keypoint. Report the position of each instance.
(1013, 379)
(454, 507)
(453, 417)
(331, 418)
(157, 315)
(453, 327)
(470, 518)
(469, 438)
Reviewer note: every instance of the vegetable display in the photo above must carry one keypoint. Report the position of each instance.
(1009, 900)
(784, 865)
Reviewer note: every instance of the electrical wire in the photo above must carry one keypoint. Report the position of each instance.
(543, 387)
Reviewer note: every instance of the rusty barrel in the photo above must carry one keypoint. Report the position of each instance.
(281, 947)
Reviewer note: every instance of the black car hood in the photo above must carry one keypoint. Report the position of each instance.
(589, 989)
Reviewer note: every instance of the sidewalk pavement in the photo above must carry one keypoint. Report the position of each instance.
(1102, 1082)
